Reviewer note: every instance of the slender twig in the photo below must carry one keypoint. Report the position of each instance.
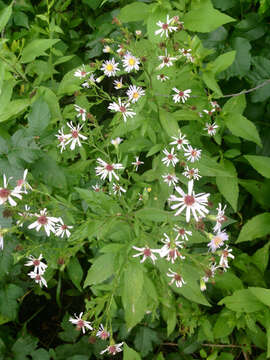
(245, 355)
(223, 345)
(250, 90)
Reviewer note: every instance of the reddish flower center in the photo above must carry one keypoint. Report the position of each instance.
(122, 109)
(80, 324)
(112, 349)
(166, 59)
(147, 252)
(178, 277)
(81, 111)
(42, 220)
(189, 200)
(170, 156)
(185, 52)
(38, 277)
(181, 231)
(61, 139)
(36, 262)
(194, 153)
(165, 26)
(179, 141)
(169, 177)
(74, 134)
(172, 253)
(162, 76)
(83, 73)
(225, 253)
(20, 182)
(191, 172)
(104, 335)
(181, 93)
(109, 167)
(4, 193)
(64, 227)
(210, 128)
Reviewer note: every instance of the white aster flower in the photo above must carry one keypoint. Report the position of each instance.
(7, 194)
(109, 67)
(165, 27)
(170, 179)
(62, 138)
(162, 77)
(23, 184)
(217, 240)
(146, 252)
(81, 112)
(118, 84)
(74, 136)
(89, 82)
(39, 266)
(170, 158)
(180, 141)
(113, 349)
(38, 277)
(106, 49)
(170, 249)
(62, 229)
(220, 217)
(226, 253)
(211, 128)
(116, 141)
(117, 189)
(137, 162)
(192, 154)
(190, 201)
(181, 232)
(210, 272)
(130, 62)
(48, 222)
(106, 169)
(209, 112)
(167, 60)
(181, 95)
(134, 93)
(215, 105)
(23, 215)
(81, 73)
(80, 323)
(186, 53)
(192, 173)
(102, 333)
(96, 188)
(122, 108)
(177, 278)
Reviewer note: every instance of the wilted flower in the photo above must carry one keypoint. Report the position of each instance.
(80, 323)
(220, 217)
(102, 333)
(209, 112)
(117, 189)
(113, 349)
(225, 254)
(22, 183)
(190, 201)
(106, 49)
(162, 77)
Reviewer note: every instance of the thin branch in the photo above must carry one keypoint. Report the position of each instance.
(250, 90)
(223, 345)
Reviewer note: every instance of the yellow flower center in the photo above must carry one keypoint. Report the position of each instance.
(109, 67)
(135, 95)
(119, 85)
(131, 61)
(217, 240)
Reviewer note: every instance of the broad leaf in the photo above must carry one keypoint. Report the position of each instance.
(5, 16)
(102, 269)
(260, 163)
(257, 227)
(242, 301)
(241, 126)
(137, 11)
(37, 48)
(39, 117)
(75, 272)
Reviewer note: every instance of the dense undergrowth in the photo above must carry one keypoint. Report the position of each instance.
(135, 170)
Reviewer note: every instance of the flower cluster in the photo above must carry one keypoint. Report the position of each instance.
(39, 270)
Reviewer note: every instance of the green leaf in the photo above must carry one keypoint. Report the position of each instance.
(242, 301)
(39, 117)
(101, 270)
(137, 11)
(5, 15)
(260, 190)
(133, 298)
(257, 227)
(75, 272)
(210, 81)
(40, 354)
(241, 126)
(209, 167)
(222, 62)
(168, 123)
(236, 104)
(242, 62)
(263, 295)
(204, 18)
(156, 215)
(14, 108)
(260, 163)
(261, 257)
(130, 354)
(228, 186)
(144, 340)
(23, 347)
(36, 48)
(8, 300)
(224, 324)
(185, 115)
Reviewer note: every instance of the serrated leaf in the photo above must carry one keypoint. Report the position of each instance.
(241, 126)
(36, 48)
(222, 62)
(260, 163)
(261, 257)
(14, 108)
(130, 354)
(75, 272)
(8, 300)
(137, 11)
(39, 117)
(224, 324)
(144, 340)
(242, 301)
(263, 295)
(257, 227)
(101, 270)
(5, 15)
